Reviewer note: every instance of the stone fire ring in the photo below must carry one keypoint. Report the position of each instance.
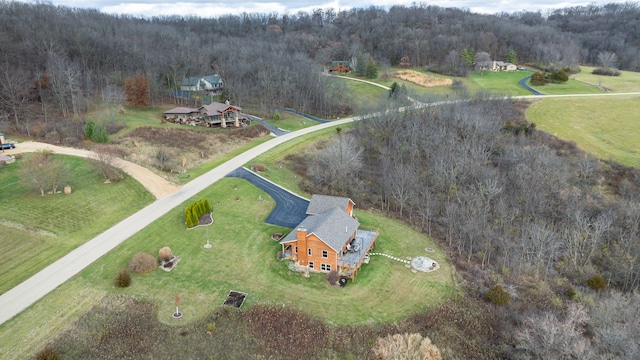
(424, 264)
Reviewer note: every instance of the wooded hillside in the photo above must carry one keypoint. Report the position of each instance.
(55, 58)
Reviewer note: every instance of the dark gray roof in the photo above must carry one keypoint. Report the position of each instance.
(323, 203)
(333, 227)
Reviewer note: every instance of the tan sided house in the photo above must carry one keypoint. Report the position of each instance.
(329, 238)
(213, 114)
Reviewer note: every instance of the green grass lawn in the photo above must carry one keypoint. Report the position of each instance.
(570, 87)
(243, 258)
(607, 127)
(38, 230)
(628, 81)
(501, 82)
(291, 122)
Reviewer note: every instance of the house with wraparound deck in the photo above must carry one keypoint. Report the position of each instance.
(329, 238)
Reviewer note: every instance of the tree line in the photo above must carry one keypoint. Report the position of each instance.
(56, 59)
(515, 208)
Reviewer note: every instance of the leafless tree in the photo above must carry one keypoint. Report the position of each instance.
(104, 159)
(615, 325)
(608, 60)
(338, 164)
(549, 336)
(13, 95)
(43, 172)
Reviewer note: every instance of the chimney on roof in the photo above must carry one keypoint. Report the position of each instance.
(301, 237)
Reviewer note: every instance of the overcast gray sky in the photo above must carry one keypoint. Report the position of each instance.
(208, 8)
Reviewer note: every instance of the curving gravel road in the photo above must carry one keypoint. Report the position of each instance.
(157, 185)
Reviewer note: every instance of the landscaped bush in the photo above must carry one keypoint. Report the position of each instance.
(606, 72)
(142, 262)
(498, 296)
(194, 211)
(123, 279)
(333, 277)
(165, 254)
(597, 283)
(258, 167)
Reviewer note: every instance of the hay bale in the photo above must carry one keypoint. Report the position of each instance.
(258, 167)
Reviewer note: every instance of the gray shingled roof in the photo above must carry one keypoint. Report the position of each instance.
(322, 203)
(191, 81)
(333, 227)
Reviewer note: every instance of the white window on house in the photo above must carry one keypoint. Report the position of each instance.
(310, 264)
(325, 254)
(296, 249)
(309, 251)
(325, 267)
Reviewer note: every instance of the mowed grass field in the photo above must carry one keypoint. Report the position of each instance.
(608, 127)
(37, 230)
(242, 258)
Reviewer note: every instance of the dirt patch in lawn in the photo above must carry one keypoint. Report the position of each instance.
(421, 79)
(235, 299)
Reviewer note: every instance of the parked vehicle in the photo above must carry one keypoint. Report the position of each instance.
(7, 146)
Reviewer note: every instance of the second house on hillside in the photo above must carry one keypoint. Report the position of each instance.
(329, 238)
(213, 114)
(212, 83)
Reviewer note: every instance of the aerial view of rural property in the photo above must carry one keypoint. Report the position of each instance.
(319, 180)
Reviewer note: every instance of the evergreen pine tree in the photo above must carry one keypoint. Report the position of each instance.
(372, 70)
(511, 57)
(361, 67)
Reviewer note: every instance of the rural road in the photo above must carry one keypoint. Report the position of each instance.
(31, 290)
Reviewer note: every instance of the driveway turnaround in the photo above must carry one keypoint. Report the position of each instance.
(290, 208)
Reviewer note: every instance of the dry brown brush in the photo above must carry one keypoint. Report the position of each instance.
(422, 79)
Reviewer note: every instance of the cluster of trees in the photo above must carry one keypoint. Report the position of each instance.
(194, 211)
(272, 60)
(541, 77)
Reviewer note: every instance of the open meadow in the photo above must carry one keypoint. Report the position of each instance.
(37, 230)
(607, 127)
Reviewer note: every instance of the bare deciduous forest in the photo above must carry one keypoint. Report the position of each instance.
(513, 206)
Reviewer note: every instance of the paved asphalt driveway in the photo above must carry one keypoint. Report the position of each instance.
(290, 208)
(276, 131)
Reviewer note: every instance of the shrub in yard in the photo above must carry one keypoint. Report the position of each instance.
(48, 353)
(211, 327)
(165, 254)
(597, 283)
(194, 211)
(538, 79)
(333, 277)
(123, 279)
(406, 347)
(142, 262)
(498, 296)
